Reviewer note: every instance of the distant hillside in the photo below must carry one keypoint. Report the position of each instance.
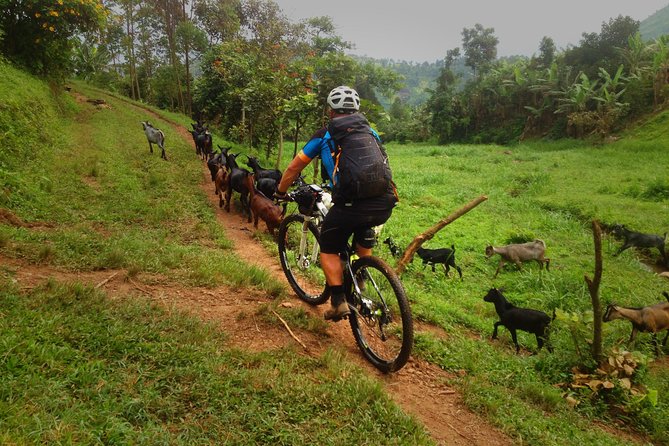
(419, 78)
(656, 25)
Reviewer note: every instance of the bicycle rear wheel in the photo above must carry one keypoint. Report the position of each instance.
(299, 255)
(381, 320)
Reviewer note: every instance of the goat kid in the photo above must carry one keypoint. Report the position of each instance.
(651, 319)
(221, 181)
(639, 240)
(265, 209)
(444, 256)
(515, 318)
(154, 136)
(518, 253)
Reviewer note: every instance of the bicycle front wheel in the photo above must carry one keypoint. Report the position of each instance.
(299, 254)
(381, 320)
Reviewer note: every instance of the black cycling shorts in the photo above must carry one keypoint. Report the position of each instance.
(341, 222)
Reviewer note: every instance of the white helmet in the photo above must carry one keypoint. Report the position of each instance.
(344, 98)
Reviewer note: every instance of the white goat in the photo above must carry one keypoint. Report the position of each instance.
(650, 319)
(518, 253)
(154, 136)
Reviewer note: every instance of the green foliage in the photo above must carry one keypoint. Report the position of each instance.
(41, 30)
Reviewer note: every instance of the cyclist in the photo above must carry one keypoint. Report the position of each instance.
(360, 200)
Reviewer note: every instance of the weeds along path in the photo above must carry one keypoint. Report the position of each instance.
(419, 388)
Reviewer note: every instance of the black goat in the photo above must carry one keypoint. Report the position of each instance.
(639, 240)
(202, 139)
(154, 136)
(238, 180)
(261, 172)
(514, 318)
(394, 249)
(444, 256)
(267, 186)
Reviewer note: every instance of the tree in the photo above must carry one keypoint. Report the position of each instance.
(546, 52)
(602, 50)
(37, 33)
(220, 19)
(442, 102)
(480, 47)
(319, 34)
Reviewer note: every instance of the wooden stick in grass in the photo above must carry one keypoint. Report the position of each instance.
(106, 280)
(289, 330)
(427, 235)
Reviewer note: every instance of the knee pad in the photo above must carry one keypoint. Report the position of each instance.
(366, 239)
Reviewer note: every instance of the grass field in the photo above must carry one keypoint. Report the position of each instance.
(70, 375)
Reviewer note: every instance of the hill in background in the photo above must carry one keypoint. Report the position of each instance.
(656, 25)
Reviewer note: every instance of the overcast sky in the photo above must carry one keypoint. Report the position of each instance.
(423, 30)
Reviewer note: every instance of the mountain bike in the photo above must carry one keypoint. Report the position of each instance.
(380, 313)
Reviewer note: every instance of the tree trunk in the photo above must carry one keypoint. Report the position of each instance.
(297, 132)
(427, 235)
(189, 100)
(279, 150)
(130, 31)
(593, 287)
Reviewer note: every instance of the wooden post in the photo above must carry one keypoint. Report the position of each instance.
(427, 235)
(593, 287)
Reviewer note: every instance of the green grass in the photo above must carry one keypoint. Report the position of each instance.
(77, 368)
(539, 190)
(101, 201)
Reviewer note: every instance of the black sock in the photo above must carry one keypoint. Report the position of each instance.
(337, 294)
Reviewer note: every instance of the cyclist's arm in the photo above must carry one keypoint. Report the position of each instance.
(292, 172)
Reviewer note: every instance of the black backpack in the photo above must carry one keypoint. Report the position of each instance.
(360, 161)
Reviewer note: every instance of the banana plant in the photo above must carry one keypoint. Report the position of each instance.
(578, 95)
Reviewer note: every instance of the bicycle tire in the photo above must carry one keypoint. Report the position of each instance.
(302, 270)
(381, 321)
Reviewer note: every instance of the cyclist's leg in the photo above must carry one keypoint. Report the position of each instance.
(334, 236)
(364, 236)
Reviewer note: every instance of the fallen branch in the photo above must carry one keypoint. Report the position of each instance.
(460, 433)
(289, 330)
(427, 235)
(106, 280)
(140, 288)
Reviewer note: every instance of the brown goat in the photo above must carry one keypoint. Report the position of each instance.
(221, 183)
(651, 319)
(264, 208)
(518, 253)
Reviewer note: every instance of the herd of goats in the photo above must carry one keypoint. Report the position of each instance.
(256, 188)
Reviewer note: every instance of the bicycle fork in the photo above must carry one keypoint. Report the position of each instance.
(306, 259)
